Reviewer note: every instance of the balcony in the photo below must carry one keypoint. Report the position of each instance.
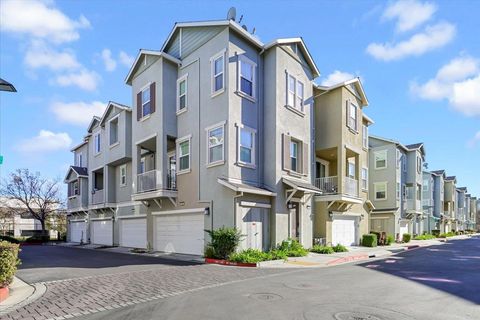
(151, 181)
(329, 186)
(98, 196)
(413, 205)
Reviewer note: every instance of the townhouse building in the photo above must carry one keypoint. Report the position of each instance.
(429, 219)
(460, 209)
(449, 210)
(341, 163)
(438, 198)
(477, 216)
(473, 214)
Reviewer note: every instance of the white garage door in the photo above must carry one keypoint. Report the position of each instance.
(403, 228)
(254, 226)
(344, 231)
(101, 232)
(133, 233)
(78, 231)
(180, 233)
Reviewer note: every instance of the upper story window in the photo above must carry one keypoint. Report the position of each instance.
(146, 107)
(364, 178)
(123, 175)
(294, 156)
(246, 145)
(380, 159)
(380, 191)
(79, 160)
(215, 143)
(218, 73)
(247, 76)
(182, 93)
(419, 164)
(183, 151)
(352, 116)
(113, 130)
(73, 189)
(295, 93)
(365, 136)
(351, 170)
(399, 158)
(98, 145)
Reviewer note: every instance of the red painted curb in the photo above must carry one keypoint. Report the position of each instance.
(230, 263)
(348, 259)
(4, 293)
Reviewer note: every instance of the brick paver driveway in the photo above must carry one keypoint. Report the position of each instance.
(82, 281)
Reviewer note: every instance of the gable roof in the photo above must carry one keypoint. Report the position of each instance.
(303, 48)
(95, 119)
(143, 52)
(79, 145)
(451, 178)
(110, 106)
(462, 189)
(417, 146)
(398, 144)
(439, 173)
(355, 81)
(79, 171)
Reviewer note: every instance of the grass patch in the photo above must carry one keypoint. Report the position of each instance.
(425, 237)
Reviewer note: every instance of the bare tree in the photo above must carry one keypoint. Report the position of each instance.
(41, 197)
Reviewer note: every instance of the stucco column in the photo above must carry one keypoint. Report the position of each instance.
(341, 168)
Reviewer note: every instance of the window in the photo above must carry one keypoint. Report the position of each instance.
(247, 76)
(246, 145)
(73, 189)
(352, 116)
(294, 156)
(215, 144)
(182, 93)
(405, 166)
(184, 155)
(404, 191)
(380, 191)
(398, 190)
(142, 165)
(80, 159)
(351, 170)
(295, 93)
(146, 108)
(380, 159)
(123, 175)
(364, 178)
(399, 158)
(419, 164)
(365, 136)
(218, 78)
(97, 140)
(419, 192)
(113, 131)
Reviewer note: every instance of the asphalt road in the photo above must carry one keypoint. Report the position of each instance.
(440, 282)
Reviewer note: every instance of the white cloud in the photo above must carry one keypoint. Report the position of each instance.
(45, 141)
(40, 55)
(458, 82)
(39, 19)
(125, 59)
(77, 113)
(409, 13)
(84, 79)
(110, 64)
(475, 140)
(337, 77)
(433, 37)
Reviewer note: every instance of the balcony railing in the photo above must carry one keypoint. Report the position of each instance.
(172, 180)
(97, 196)
(329, 185)
(414, 204)
(147, 181)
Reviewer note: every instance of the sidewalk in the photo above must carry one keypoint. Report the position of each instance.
(21, 294)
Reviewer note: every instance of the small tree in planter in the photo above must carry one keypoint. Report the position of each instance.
(8, 262)
(223, 242)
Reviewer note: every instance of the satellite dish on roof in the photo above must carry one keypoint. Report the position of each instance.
(232, 14)
(244, 27)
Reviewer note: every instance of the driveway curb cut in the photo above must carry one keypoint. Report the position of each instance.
(39, 290)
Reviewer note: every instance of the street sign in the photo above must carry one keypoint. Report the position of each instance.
(1, 159)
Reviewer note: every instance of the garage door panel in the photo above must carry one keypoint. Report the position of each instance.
(344, 231)
(102, 232)
(78, 231)
(133, 233)
(181, 233)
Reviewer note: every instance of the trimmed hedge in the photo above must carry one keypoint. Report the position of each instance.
(369, 240)
(8, 262)
(340, 248)
(322, 249)
(424, 237)
(406, 237)
(255, 256)
(293, 248)
(390, 240)
(9, 239)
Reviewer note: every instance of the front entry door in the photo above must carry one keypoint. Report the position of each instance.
(253, 228)
(294, 221)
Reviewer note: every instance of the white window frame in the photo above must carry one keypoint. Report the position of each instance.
(398, 158)
(80, 159)
(349, 115)
(380, 152)
(294, 93)
(177, 95)
(253, 131)
(243, 58)
(179, 142)
(220, 55)
(419, 164)
(209, 129)
(146, 87)
(404, 164)
(110, 131)
(365, 136)
(351, 166)
(97, 149)
(375, 187)
(297, 158)
(123, 167)
(364, 179)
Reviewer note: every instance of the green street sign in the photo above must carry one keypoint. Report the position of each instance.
(1, 159)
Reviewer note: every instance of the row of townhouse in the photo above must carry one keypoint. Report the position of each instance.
(228, 131)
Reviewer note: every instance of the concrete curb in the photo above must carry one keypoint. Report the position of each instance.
(26, 294)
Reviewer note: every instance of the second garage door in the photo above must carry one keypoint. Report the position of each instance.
(78, 231)
(101, 232)
(180, 233)
(344, 231)
(133, 232)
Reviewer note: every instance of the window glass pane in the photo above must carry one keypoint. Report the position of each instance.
(294, 164)
(299, 95)
(246, 86)
(184, 162)
(351, 170)
(246, 138)
(291, 84)
(146, 109)
(182, 102)
(215, 136)
(293, 149)
(245, 154)
(219, 82)
(146, 95)
(184, 146)
(181, 87)
(218, 65)
(216, 153)
(246, 70)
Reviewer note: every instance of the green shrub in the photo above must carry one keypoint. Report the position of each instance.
(322, 249)
(9, 239)
(390, 240)
(38, 239)
(446, 235)
(424, 237)
(339, 248)
(293, 248)
(8, 262)
(249, 256)
(223, 242)
(369, 240)
(406, 237)
(436, 232)
(278, 254)
(209, 252)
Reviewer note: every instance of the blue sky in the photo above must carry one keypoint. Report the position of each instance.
(419, 62)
